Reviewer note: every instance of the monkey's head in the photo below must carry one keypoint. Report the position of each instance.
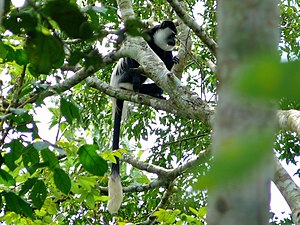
(164, 36)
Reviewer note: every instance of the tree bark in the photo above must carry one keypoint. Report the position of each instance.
(289, 190)
(289, 120)
(243, 128)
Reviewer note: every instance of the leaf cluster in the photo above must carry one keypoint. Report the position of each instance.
(44, 43)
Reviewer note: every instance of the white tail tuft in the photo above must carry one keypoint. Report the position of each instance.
(115, 193)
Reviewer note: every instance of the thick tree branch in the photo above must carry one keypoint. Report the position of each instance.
(167, 175)
(191, 23)
(78, 76)
(289, 190)
(190, 164)
(160, 171)
(126, 10)
(170, 190)
(289, 120)
(159, 104)
(184, 101)
(139, 188)
(67, 84)
(151, 19)
(184, 38)
(137, 49)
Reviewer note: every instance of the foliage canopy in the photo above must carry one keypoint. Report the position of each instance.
(62, 179)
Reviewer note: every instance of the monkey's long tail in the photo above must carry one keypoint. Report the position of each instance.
(115, 191)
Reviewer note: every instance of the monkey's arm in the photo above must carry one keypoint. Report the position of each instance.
(152, 90)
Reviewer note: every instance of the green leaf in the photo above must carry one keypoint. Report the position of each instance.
(16, 151)
(27, 88)
(91, 161)
(109, 13)
(240, 154)
(30, 157)
(69, 110)
(18, 21)
(269, 79)
(93, 59)
(16, 204)
(69, 18)
(90, 201)
(12, 202)
(50, 158)
(87, 182)
(75, 57)
(44, 52)
(134, 27)
(21, 57)
(1, 201)
(18, 111)
(27, 185)
(9, 53)
(26, 209)
(6, 178)
(200, 213)
(94, 18)
(140, 177)
(3, 51)
(166, 216)
(38, 194)
(109, 156)
(62, 181)
(40, 145)
(193, 211)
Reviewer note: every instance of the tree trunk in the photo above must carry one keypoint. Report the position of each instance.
(243, 128)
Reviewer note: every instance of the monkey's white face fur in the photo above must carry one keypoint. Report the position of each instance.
(161, 37)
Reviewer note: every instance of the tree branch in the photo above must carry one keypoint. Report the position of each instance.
(289, 120)
(126, 10)
(166, 175)
(131, 96)
(139, 188)
(78, 76)
(191, 23)
(164, 200)
(159, 104)
(160, 171)
(184, 38)
(184, 101)
(289, 190)
(190, 164)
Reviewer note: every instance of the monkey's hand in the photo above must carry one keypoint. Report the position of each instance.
(160, 96)
(176, 59)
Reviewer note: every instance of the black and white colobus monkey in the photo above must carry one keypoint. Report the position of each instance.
(162, 41)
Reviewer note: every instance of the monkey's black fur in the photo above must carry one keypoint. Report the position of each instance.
(161, 39)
